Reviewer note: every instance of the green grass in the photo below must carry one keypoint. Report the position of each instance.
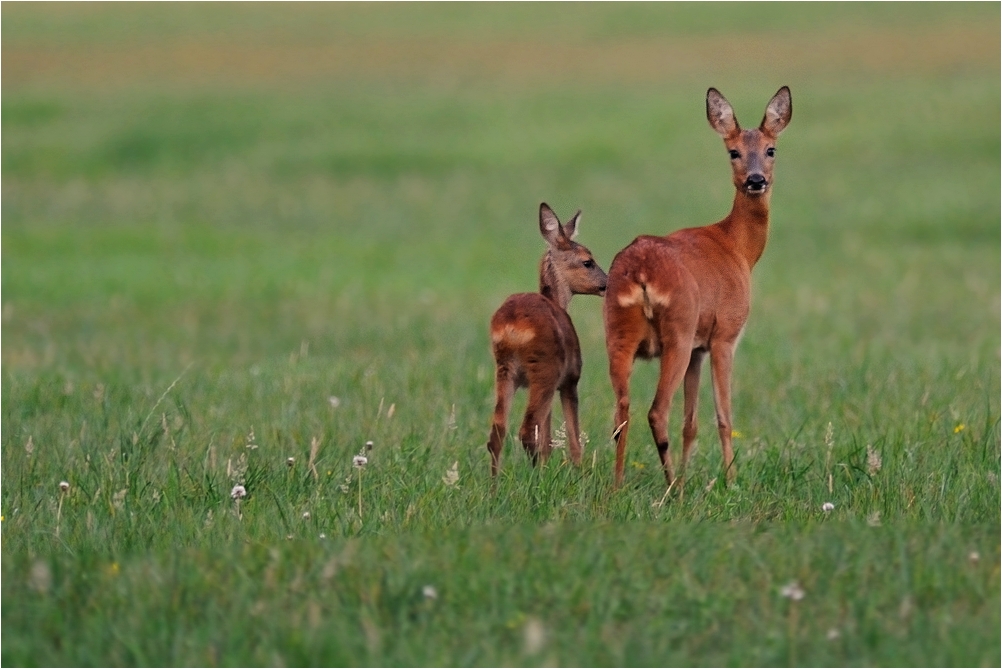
(215, 219)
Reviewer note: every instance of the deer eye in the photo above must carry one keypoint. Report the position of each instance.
(770, 152)
(734, 154)
(589, 264)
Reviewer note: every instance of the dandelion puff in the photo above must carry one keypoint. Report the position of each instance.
(559, 437)
(429, 592)
(290, 462)
(792, 591)
(359, 461)
(974, 557)
(833, 634)
(827, 506)
(873, 462)
(238, 492)
(306, 515)
(534, 636)
(64, 486)
(369, 445)
(451, 475)
(334, 401)
(323, 535)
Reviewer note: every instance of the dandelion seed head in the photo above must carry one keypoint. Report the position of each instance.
(429, 592)
(323, 535)
(792, 591)
(306, 515)
(535, 636)
(369, 445)
(334, 401)
(873, 461)
(974, 557)
(359, 461)
(64, 486)
(451, 475)
(827, 506)
(289, 462)
(833, 634)
(238, 492)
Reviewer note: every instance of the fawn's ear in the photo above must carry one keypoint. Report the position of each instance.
(720, 114)
(571, 226)
(778, 113)
(549, 225)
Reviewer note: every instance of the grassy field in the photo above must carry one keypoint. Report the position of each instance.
(239, 241)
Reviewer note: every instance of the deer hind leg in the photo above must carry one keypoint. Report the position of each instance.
(674, 361)
(620, 367)
(721, 364)
(689, 426)
(535, 431)
(569, 401)
(504, 389)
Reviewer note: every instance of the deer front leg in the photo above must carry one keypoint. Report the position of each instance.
(569, 401)
(721, 364)
(689, 426)
(536, 425)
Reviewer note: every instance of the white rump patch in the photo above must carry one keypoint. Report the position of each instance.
(512, 335)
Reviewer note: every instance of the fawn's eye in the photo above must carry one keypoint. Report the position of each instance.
(589, 264)
(734, 154)
(770, 152)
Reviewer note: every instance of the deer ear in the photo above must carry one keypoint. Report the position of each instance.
(549, 225)
(778, 113)
(571, 226)
(720, 114)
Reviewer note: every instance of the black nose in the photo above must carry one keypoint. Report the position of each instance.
(755, 182)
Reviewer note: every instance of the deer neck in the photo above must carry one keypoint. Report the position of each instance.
(551, 285)
(748, 225)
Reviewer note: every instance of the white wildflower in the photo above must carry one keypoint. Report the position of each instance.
(290, 462)
(793, 591)
(873, 462)
(429, 592)
(827, 506)
(238, 492)
(306, 515)
(535, 636)
(974, 557)
(64, 486)
(334, 401)
(359, 461)
(452, 474)
(833, 634)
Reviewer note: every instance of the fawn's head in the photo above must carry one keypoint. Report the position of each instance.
(568, 268)
(752, 151)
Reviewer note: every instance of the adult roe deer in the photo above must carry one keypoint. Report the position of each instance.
(686, 294)
(535, 344)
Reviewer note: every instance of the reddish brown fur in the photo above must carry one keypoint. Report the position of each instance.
(687, 294)
(535, 344)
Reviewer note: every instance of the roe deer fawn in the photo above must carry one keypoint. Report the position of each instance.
(686, 294)
(535, 345)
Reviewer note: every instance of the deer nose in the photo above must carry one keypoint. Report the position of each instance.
(755, 182)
